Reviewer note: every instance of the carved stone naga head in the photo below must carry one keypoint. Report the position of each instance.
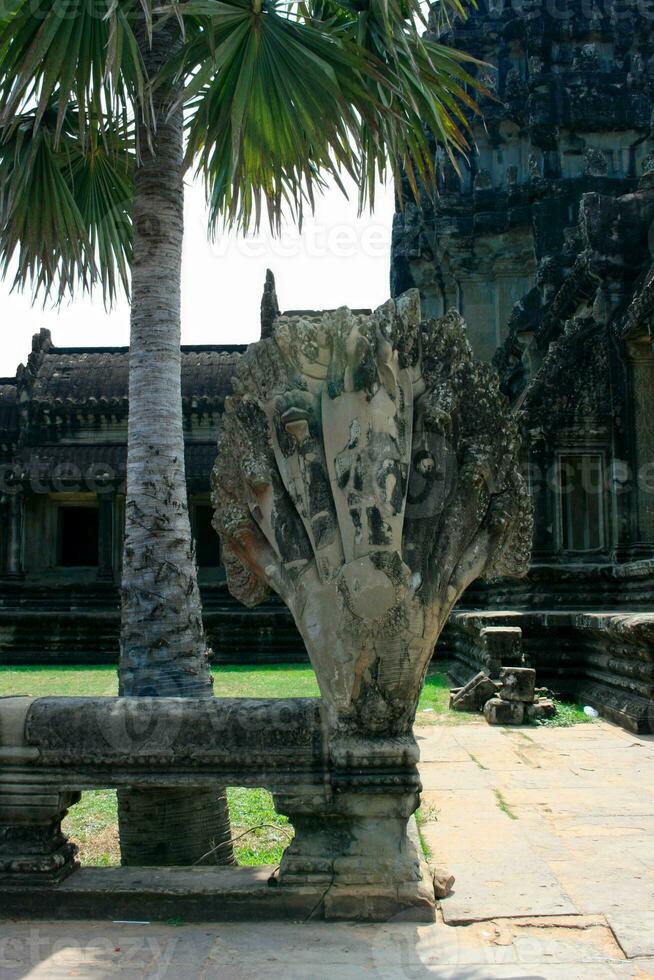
(368, 473)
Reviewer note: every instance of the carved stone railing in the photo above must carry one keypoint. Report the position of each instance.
(349, 800)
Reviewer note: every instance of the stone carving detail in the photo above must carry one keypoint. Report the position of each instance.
(595, 163)
(367, 473)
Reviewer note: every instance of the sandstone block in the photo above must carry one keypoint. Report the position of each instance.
(501, 645)
(500, 712)
(517, 684)
(540, 710)
(474, 695)
(443, 882)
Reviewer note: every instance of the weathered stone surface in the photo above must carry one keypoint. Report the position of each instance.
(350, 799)
(474, 695)
(602, 659)
(443, 882)
(543, 237)
(32, 845)
(182, 741)
(366, 473)
(497, 711)
(540, 710)
(517, 684)
(501, 647)
(557, 947)
(583, 840)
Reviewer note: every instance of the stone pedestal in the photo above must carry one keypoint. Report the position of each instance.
(357, 837)
(33, 849)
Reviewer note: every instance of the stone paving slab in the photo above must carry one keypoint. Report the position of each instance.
(563, 824)
(635, 931)
(551, 949)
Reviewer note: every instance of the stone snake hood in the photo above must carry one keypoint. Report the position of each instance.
(368, 473)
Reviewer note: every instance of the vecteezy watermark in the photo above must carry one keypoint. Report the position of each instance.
(43, 476)
(121, 951)
(434, 465)
(409, 950)
(315, 241)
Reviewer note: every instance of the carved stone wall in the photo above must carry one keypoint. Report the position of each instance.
(568, 112)
(560, 188)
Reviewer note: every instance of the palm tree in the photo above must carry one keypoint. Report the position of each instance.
(277, 98)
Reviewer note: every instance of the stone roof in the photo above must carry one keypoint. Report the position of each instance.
(61, 387)
(80, 375)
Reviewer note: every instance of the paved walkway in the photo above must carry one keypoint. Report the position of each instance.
(550, 833)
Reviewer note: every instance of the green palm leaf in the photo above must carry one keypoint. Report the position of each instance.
(284, 95)
(67, 51)
(64, 206)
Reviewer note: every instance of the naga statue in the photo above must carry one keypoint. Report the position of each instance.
(368, 473)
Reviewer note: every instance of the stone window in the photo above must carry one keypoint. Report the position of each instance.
(78, 537)
(207, 542)
(581, 496)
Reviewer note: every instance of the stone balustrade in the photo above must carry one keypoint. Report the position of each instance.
(349, 799)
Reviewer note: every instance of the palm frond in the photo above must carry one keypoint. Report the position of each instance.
(283, 95)
(65, 207)
(272, 109)
(58, 51)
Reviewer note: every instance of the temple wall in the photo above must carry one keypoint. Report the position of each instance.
(543, 243)
(642, 369)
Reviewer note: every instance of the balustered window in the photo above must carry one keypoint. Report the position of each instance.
(581, 499)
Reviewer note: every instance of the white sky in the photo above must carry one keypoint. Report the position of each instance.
(338, 259)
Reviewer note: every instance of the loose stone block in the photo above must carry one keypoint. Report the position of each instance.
(501, 645)
(500, 712)
(474, 695)
(443, 883)
(518, 684)
(540, 710)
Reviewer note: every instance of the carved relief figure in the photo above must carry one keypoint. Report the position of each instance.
(367, 473)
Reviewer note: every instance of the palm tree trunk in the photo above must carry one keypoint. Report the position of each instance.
(163, 650)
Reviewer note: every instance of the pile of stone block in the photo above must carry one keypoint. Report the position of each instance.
(512, 699)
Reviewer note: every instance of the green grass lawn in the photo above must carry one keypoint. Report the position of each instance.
(268, 681)
(260, 833)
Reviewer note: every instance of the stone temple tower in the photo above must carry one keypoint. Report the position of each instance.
(544, 242)
(572, 84)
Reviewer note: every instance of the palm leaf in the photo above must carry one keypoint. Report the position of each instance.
(64, 206)
(63, 51)
(272, 105)
(285, 95)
